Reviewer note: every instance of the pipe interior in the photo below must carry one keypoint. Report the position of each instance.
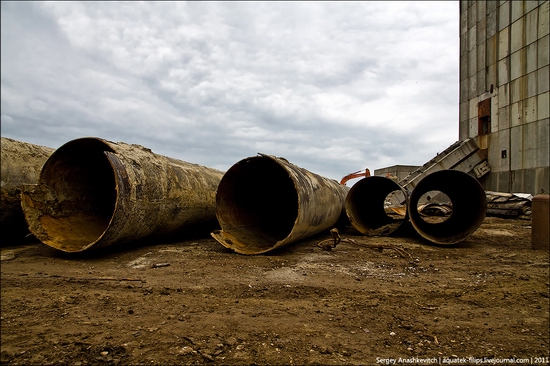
(82, 181)
(257, 203)
(468, 206)
(428, 203)
(368, 208)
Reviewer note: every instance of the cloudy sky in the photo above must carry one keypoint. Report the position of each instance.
(334, 87)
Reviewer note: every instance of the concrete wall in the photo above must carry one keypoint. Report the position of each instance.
(504, 57)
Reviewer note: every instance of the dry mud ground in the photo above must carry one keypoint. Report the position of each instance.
(195, 302)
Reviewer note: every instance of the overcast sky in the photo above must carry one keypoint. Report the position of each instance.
(334, 87)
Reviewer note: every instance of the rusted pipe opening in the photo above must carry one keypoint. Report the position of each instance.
(257, 203)
(82, 182)
(467, 199)
(21, 164)
(94, 193)
(376, 205)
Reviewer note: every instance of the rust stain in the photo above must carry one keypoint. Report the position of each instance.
(93, 193)
(286, 204)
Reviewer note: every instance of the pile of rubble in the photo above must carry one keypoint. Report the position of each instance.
(516, 205)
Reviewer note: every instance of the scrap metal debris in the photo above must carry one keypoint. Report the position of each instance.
(435, 209)
(514, 205)
(329, 244)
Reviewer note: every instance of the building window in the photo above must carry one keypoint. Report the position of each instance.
(484, 117)
(484, 125)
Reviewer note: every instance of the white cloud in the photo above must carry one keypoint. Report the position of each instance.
(336, 86)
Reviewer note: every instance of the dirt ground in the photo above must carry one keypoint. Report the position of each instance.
(196, 302)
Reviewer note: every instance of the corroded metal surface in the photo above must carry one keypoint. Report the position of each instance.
(505, 204)
(370, 209)
(468, 201)
(540, 232)
(364, 203)
(265, 202)
(93, 193)
(21, 164)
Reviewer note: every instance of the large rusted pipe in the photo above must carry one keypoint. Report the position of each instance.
(94, 193)
(265, 202)
(376, 206)
(21, 164)
(468, 203)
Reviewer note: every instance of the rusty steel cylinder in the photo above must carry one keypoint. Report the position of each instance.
(376, 206)
(93, 193)
(468, 202)
(21, 164)
(540, 222)
(265, 202)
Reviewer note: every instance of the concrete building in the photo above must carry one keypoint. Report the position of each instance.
(504, 90)
(399, 171)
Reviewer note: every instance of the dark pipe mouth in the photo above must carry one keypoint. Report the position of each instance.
(82, 181)
(257, 203)
(366, 206)
(468, 202)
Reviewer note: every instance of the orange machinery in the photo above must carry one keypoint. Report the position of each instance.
(357, 174)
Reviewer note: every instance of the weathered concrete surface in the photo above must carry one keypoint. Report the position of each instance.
(94, 193)
(265, 202)
(21, 164)
(464, 156)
